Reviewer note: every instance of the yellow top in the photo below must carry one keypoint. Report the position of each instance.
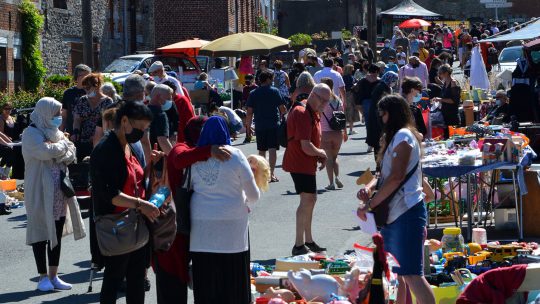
(452, 231)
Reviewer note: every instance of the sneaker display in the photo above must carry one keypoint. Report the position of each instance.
(45, 284)
(314, 247)
(299, 250)
(339, 184)
(59, 284)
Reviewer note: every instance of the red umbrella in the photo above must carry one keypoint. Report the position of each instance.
(414, 23)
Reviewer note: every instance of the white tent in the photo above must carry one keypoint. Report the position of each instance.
(529, 32)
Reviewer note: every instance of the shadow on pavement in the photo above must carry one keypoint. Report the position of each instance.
(17, 218)
(81, 277)
(354, 153)
(20, 296)
(357, 138)
(358, 173)
(356, 228)
(76, 299)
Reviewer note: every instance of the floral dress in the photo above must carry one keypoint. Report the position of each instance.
(89, 117)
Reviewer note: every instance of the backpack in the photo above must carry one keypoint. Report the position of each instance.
(338, 121)
(283, 137)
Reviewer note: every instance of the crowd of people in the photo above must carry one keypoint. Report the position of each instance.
(310, 111)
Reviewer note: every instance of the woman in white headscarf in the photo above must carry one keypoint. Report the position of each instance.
(47, 152)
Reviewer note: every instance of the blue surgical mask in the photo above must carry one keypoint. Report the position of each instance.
(167, 105)
(498, 102)
(56, 121)
(92, 94)
(417, 97)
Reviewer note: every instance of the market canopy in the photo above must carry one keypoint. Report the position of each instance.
(189, 47)
(408, 9)
(529, 32)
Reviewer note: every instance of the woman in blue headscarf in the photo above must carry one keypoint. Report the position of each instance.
(219, 221)
(383, 88)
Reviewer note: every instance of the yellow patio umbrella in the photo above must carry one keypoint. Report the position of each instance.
(245, 44)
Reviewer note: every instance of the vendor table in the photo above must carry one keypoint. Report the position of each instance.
(470, 171)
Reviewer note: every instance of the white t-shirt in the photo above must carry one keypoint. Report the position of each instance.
(411, 193)
(231, 115)
(219, 214)
(335, 76)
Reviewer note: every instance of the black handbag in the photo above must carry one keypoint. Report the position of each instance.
(381, 212)
(182, 200)
(338, 121)
(65, 185)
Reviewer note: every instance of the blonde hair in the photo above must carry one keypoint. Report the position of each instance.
(261, 171)
(348, 69)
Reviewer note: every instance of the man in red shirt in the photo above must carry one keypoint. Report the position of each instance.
(301, 157)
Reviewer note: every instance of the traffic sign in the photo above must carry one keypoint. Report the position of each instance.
(499, 5)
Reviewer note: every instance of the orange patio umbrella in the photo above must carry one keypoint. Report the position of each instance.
(189, 47)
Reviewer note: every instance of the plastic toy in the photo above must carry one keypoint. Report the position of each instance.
(318, 287)
(284, 294)
(500, 252)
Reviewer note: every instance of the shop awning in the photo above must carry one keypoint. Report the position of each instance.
(529, 32)
(408, 9)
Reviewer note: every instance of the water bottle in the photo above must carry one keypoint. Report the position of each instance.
(160, 196)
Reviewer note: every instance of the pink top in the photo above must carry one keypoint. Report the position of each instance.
(333, 105)
(447, 41)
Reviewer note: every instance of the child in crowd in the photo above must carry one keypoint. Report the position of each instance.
(250, 86)
(202, 82)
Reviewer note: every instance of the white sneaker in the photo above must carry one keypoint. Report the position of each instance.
(45, 284)
(59, 284)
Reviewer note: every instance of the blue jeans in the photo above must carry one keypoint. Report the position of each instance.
(404, 239)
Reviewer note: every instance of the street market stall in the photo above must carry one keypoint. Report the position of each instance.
(406, 9)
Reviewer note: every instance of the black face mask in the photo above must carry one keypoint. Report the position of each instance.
(134, 136)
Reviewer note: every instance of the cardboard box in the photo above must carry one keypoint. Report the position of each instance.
(286, 265)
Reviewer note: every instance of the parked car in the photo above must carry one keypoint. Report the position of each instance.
(508, 57)
(187, 68)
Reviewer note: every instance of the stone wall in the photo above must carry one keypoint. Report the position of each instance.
(62, 37)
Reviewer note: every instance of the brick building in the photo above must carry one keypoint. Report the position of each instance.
(10, 45)
(186, 19)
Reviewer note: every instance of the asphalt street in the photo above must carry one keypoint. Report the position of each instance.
(272, 225)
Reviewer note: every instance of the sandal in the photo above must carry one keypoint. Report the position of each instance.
(274, 179)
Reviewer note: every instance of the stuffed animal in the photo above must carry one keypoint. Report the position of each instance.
(261, 171)
(318, 287)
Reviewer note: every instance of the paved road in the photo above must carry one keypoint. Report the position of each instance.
(272, 225)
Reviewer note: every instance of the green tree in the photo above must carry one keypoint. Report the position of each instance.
(32, 25)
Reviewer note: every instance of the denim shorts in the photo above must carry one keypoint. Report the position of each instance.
(404, 239)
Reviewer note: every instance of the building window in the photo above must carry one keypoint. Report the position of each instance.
(60, 4)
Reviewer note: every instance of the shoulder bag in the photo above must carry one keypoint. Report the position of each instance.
(338, 121)
(382, 210)
(65, 184)
(122, 233)
(182, 200)
(163, 229)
